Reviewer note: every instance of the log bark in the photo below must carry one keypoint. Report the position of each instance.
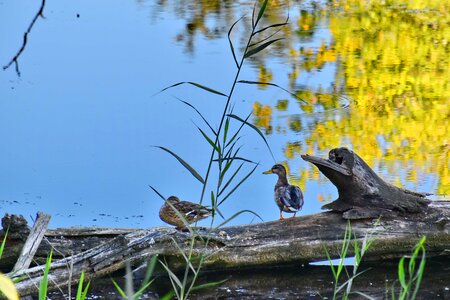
(297, 240)
(33, 241)
(362, 193)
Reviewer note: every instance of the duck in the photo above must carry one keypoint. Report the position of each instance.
(289, 198)
(192, 212)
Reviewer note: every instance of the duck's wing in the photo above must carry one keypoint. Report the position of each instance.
(193, 211)
(292, 198)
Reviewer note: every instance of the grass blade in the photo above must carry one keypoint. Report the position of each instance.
(210, 141)
(237, 214)
(364, 295)
(419, 273)
(253, 14)
(260, 48)
(265, 39)
(256, 129)
(43, 285)
(231, 43)
(237, 158)
(2, 247)
(272, 26)
(85, 291)
(158, 193)
(237, 185)
(225, 130)
(208, 285)
(350, 280)
(150, 268)
(185, 164)
(172, 275)
(129, 290)
(261, 12)
(194, 84)
(186, 259)
(401, 273)
(80, 286)
(235, 135)
(119, 289)
(230, 180)
(331, 264)
(198, 112)
(272, 84)
(142, 289)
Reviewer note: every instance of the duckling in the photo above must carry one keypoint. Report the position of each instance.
(289, 198)
(191, 212)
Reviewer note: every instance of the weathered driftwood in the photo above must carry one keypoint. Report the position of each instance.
(297, 240)
(362, 193)
(33, 241)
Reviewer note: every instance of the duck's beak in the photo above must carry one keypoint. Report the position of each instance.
(268, 172)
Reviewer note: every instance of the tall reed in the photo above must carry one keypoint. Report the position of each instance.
(225, 149)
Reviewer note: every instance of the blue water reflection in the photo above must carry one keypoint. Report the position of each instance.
(77, 128)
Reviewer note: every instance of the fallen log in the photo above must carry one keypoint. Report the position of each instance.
(362, 193)
(293, 241)
(33, 241)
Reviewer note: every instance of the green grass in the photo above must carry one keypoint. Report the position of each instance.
(409, 276)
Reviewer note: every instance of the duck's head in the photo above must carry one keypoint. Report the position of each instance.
(173, 199)
(278, 169)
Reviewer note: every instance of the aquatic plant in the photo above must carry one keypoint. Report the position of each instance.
(411, 277)
(224, 152)
(337, 270)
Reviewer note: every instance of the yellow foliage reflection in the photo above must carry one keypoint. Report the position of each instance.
(393, 61)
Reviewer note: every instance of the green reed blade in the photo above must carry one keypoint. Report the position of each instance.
(230, 180)
(43, 285)
(256, 129)
(265, 38)
(85, 291)
(119, 289)
(272, 84)
(172, 275)
(237, 158)
(150, 268)
(158, 193)
(2, 247)
(261, 12)
(208, 285)
(364, 295)
(80, 286)
(273, 26)
(231, 43)
(185, 164)
(194, 84)
(199, 113)
(237, 185)
(260, 48)
(225, 130)
(237, 214)
(208, 139)
(139, 293)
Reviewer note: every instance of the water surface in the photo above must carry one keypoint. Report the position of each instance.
(77, 127)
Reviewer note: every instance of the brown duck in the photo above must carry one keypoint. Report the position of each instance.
(192, 212)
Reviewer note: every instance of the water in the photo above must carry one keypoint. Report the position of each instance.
(77, 128)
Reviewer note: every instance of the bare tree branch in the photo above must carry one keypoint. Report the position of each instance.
(14, 60)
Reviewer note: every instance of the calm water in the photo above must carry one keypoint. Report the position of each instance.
(77, 128)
